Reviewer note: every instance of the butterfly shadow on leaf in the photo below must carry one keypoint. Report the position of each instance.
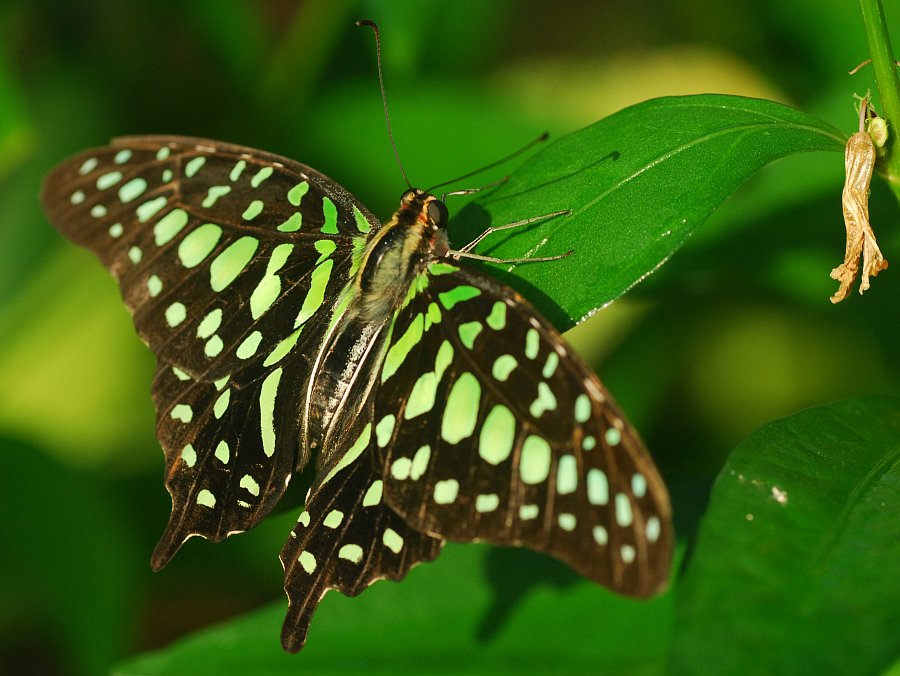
(513, 573)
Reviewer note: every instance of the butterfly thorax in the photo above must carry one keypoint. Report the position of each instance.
(399, 251)
(394, 259)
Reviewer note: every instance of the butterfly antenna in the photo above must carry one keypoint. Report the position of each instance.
(387, 118)
(540, 139)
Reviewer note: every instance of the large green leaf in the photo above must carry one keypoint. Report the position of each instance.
(638, 183)
(475, 610)
(797, 564)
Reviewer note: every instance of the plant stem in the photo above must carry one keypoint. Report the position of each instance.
(887, 82)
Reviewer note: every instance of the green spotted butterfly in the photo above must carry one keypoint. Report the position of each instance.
(290, 326)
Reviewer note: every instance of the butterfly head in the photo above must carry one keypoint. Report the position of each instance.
(425, 214)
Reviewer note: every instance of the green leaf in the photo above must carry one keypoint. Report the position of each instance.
(797, 563)
(68, 563)
(477, 609)
(637, 183)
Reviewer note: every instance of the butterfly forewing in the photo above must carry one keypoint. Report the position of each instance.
(495, 431)
(230, 261)
(221, 253)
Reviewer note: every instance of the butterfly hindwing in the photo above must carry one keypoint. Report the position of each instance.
(230, 449)
(498, 432)
(347, 537)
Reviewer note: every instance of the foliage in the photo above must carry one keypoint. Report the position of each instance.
(734, 331)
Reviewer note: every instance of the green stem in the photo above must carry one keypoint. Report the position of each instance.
(887, 82)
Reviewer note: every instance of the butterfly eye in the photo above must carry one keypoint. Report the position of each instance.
(437, 213)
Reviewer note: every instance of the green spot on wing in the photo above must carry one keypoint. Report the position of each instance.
(249, 484)
(150, 208)
(544, 402)
(154, 286)
(283, 348)
(210, 323)
(267, 395)
(445, 492)
(269, 287)
(182, 412)
(214, 193)
(221, 404)
(463, 292)
(550, 365)
(108, 180)
(295, 194)
(582, 408)
(169, 226)
(532, 343)
(213, 347)
(132, 190)
(567, 475)
(329, 211)
(443, 359)
(192, 167)
(362, 224)
(325, 247)
(261, 176)
(461, 409)
(253, 210)
(498, 435)
(468, 332)
(361, 444)
(400, 349)
(497, 319)
(624, 516)
(597, 487)
(249, 345)
(88, 166)
(384, 429)
(198, 244)
(292, 224)
(534, 465)
(189, 455)
(316, 295)
(175, 314)
(441, 268)
(432, 315)
(223, 452)
(237, 170)
(228, 265)
(422, 396)
(503, 366)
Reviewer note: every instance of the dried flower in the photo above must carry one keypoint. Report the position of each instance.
(859, 162)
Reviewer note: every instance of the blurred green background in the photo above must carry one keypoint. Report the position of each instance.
(736, 330)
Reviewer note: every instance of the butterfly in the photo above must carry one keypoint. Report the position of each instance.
(290, 326)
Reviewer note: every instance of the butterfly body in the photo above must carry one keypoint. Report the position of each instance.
(290, 326)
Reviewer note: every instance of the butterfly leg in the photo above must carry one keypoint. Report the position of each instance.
(466, 251)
